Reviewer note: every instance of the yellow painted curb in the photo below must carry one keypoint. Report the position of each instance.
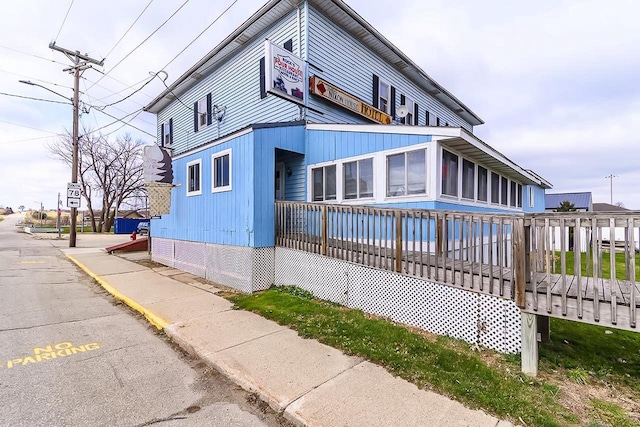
(153, 318)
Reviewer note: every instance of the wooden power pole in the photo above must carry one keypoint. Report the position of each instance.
(80, 63)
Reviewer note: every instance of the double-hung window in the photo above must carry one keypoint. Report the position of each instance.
(194, 178)
(358, 179)
(202, 112)
(407, 173)
(449, 173)
(410, 119)
(384, 96)
(221, 171)
(324, 183)
(166, 133)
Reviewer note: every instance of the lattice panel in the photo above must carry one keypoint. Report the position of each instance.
(159, 197)
(325, 277)
(230, 266)
(436, 308)
(263, 268)
(190, 257)
(162, 251)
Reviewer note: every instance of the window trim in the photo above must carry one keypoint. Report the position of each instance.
(215, 156)
(357, 161)
(486, 184)
(531, 197)
(474, 184)
(324, 183)
(405, 152)
(458, 187)
(199, 191)
(408, 101)
(166, 136)
(203, 113)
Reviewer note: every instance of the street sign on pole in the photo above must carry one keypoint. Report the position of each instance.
(74, 193)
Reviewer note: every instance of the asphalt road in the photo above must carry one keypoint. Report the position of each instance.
(71, 356)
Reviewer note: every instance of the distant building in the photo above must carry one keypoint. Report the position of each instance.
(606, 207)
(581, 201)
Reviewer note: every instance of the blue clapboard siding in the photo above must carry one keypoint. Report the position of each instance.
(348, 64)
(236, 86)
(289, 138)
(436, 205)
(325, 146)
(222, 218)
(538, 199)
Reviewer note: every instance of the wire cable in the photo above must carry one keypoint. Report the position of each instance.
(28, 127)
(63, 21)
(128, 124)
(35, 99)
(130, 27)
(33, 78)
(35, 56)
(144, 41)
(28, 139)
(100, 108)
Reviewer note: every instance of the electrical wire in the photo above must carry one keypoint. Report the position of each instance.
(130, 27)
(100, 108)
(28, 139)
(28, 127)
(35, 99)
(35, 56)
(144, 41)
(128, 124)
(63, 21)
(33, 78)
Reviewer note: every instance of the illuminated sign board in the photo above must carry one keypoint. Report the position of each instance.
(344, 99)
(285, 73)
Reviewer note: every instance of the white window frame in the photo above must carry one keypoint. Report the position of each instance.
(203, 113)
(474, 185)
(324, 183)
(411, 106)
(380, 84)
(166, 136)
(405, 152)
(531, 197)
(357, 161)
(215, 156)
(189, 165)
(458, 173)
(486, 183)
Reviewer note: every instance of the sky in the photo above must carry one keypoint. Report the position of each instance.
(556, 82)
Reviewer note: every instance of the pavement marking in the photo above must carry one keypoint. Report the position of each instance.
(153, 318)
(28, 262)
(50, 352)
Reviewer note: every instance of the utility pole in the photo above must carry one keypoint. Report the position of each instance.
(80, 63)
(611, 185)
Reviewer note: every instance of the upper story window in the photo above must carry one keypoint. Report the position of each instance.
(167, 133)
(384, 96)
(407, 173)
(202, 113)
(358, 179)
(194, 178)
(482, 184)
(449, 173)
(324, 183)
(410, 119)
(221, 178)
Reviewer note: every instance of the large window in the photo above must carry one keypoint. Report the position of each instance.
(513, 190)
(384, 93)
(324, 183)
(495, 188)
(358, 179)
(221, 171)
(482, 184)
(468, 179)
(519, 195)
(407, 173)
(449, 173)
(194, 178)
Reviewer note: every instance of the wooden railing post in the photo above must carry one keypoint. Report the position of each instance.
(398, 241)
(519, 255)
(325, 228)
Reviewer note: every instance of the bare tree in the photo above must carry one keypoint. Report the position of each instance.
(109, 170)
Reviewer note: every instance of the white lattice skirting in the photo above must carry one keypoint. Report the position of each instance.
(444, 310)
(245, 269)
(486, 320)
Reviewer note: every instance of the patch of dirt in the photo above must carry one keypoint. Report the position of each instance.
(149, 264)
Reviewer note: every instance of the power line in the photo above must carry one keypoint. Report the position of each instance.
(128, 124)
(31, 54)
(130, 27)
(63, 21)
(28, 139)
(33, 78)
(28, 127)
(35, 99)
(144, 41)
(126, 97)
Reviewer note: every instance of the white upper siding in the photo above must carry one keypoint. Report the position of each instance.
(348, 64)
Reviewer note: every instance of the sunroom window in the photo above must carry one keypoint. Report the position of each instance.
(482, 184)
(468, 179)
(324, 183)
(358, 179)
(407, 173)
(449, 173)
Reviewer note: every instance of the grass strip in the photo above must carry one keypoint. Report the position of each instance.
(442, 364)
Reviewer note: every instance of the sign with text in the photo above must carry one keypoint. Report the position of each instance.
(74, 194)
(285, 73)
(344, 99)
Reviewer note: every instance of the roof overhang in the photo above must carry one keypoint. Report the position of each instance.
(344, 16)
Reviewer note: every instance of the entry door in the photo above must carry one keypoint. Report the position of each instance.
(280, 181)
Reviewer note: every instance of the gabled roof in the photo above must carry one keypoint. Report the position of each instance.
(339, 12)
(606, 207)
(579, 200)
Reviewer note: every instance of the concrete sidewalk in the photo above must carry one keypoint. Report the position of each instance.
(313, 384)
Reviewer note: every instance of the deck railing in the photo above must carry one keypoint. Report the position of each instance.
(469, 250)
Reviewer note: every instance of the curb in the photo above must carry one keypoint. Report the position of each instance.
(153, 318)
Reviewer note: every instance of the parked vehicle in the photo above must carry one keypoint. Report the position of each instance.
(143, 228)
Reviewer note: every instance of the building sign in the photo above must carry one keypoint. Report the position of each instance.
(344, 99)
(285, 73)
